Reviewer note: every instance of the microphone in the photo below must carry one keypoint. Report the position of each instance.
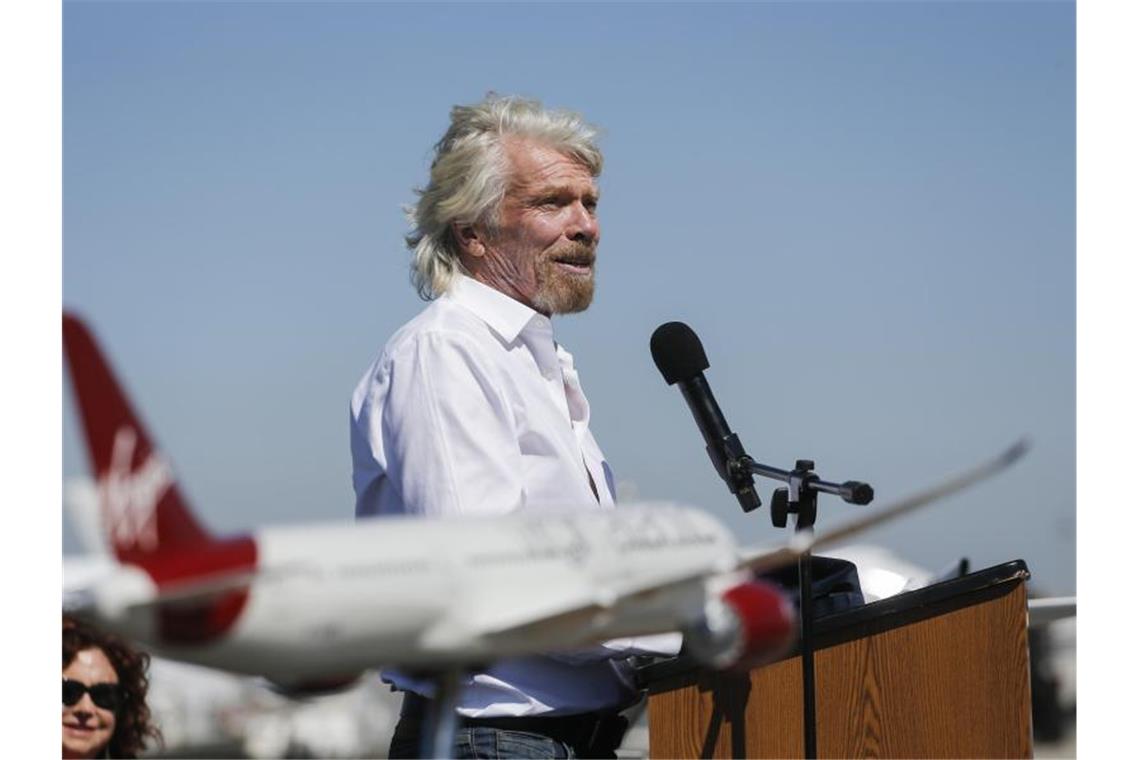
(679, 355)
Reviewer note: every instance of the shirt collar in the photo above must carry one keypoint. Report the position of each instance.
(503, 314)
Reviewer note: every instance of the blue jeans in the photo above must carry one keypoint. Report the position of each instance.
(481, 742)
(472, 743)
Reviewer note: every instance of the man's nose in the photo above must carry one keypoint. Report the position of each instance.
(583, 225)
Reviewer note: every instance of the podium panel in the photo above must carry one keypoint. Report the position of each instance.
(938, 672)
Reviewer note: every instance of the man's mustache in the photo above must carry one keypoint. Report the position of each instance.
(579, 254)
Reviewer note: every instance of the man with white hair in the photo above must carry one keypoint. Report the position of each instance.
(472, 408)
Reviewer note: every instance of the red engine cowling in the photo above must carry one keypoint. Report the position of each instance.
(749, 624)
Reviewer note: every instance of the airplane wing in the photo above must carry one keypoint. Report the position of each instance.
(531, 619)
(526, 623)
(769, 558)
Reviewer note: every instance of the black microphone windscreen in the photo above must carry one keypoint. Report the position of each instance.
(677, 352)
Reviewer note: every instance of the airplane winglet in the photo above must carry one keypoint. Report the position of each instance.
(767, 559)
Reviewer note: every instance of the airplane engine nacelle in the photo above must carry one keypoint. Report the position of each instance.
(746, 625)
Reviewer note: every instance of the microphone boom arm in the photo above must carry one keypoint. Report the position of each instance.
(851, 491)
(803, 485)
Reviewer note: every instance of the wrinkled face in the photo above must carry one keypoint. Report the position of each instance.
(87, 728)
(543, 249)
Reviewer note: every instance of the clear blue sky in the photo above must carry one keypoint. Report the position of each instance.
(865, 210)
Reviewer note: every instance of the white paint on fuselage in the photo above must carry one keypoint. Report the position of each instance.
(334, 599)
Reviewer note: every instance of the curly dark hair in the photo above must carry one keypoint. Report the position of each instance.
(133, 726)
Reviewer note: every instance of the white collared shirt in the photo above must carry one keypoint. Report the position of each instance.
(473, 409)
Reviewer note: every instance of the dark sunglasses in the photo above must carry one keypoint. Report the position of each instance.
(109, 696)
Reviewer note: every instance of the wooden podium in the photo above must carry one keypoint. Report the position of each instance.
(938, 672)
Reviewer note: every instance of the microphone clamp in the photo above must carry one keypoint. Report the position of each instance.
(804, 486)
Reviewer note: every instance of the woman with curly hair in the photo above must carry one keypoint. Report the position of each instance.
(104, 695)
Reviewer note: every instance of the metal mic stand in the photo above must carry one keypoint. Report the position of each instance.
(799, 498)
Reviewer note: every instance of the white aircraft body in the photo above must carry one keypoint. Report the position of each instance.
(310, 607)
(300, 604)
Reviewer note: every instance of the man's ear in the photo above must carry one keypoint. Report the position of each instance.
(470, 239)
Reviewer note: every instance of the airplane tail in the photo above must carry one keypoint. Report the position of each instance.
(143, 509)
(147, 521)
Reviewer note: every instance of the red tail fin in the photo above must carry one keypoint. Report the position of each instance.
(143, 510)
(147, 521)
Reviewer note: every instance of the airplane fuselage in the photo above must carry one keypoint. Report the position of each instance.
(342, 597)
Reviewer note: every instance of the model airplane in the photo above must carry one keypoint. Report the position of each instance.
(312, 606)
